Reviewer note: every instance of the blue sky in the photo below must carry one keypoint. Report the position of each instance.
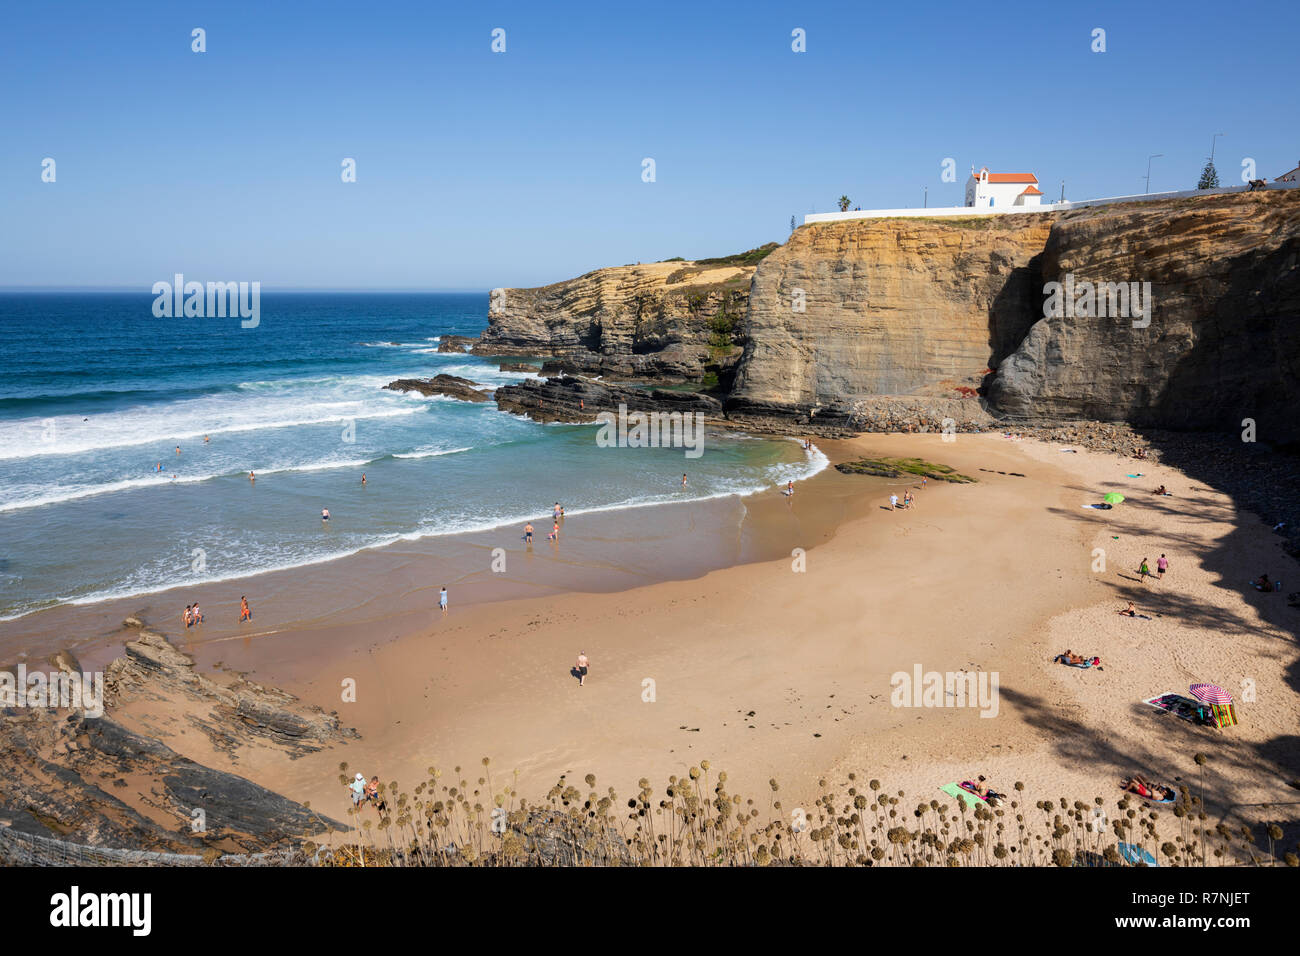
(477, 169)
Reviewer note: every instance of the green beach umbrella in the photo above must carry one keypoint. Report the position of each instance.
(1113, 498)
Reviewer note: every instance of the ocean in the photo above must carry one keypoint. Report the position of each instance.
(97, 394)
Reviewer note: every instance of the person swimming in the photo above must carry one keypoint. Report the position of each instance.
(363, 477)
(324, 514)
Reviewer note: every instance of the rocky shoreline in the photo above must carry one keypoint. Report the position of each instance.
(110, 781)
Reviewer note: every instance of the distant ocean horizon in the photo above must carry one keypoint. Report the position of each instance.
(97, 393)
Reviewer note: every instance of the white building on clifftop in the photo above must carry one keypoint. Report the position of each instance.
(986, 190)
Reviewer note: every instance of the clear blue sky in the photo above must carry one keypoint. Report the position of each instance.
(478, 169)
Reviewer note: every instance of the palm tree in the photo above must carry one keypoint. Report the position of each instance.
(844, 203)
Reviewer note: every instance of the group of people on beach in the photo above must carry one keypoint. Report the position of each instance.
(194, 616)
(364, 793)
(1162, 565)
(908, 501)
(557, 515)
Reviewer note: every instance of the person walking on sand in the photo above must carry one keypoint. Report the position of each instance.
(1145, 570)
(245, 614)
(581, 668)
(893, 502)
(442, 599)
(789, 488)
(188, 619)
(197, 615)
(528, 533)
(1162, 565)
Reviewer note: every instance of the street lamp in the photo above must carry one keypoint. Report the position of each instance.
(1212, 143)
(1149, 158)
(926, 202)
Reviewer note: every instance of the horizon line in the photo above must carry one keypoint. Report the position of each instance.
(147, 290)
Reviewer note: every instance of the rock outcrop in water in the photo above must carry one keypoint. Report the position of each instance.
(573, 400)
(452, 386)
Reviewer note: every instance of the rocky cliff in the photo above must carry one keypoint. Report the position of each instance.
(931, 307)
(885, 324)
(666, 322)
(1223, 340)
(847, 311)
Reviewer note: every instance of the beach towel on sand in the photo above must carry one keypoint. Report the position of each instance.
(953, 790)
(1179, 706)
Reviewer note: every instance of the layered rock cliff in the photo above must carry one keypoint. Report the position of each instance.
(931, 307)
(666, 322)
(1223, 339)
(905, 322)
(847, 311)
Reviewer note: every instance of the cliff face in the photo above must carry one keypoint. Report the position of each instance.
(926, 307)
(901, 323)
(890, 307)
(662, 321)
(1223, 342)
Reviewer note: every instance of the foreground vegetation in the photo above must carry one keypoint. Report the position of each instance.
(697, 821)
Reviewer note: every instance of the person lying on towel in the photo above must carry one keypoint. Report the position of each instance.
(1074, 660)
(1145, 788)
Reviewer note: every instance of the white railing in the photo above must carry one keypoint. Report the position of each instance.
(944, 211)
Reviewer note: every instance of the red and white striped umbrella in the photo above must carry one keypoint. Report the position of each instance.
(1210, 694)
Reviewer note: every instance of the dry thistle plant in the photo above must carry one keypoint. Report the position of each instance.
(695, 820)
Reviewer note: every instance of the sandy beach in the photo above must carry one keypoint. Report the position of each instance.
(780, 668)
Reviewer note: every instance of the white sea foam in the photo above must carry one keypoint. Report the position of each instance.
(430, 452)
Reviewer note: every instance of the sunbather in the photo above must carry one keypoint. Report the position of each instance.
(981, 789)
(1262, 583)
(1071, 658)
(1145, 788)
(1129, 611)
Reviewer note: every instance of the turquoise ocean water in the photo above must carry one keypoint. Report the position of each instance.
(97, 393)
